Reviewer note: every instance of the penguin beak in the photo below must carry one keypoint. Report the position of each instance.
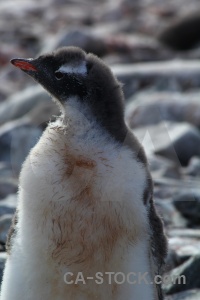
(24, 64)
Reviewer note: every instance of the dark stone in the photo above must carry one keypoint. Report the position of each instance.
(7, 186)
(188, 204)
(5, 223)
(182, 33)
(184, 277)
(3, 257)
(154, 107)
(177, 142)
(13, 135)
(193, 168)
(159, 76)
(187, 295)
(8, 205)
(79, 37)
(185, 143)
(22, 102)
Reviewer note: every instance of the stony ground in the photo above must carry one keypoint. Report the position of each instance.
(162, 90)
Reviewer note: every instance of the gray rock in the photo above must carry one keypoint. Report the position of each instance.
(5, 170)
(188, 204)
(136, 48)
(193, 168)
(8, 205)
(180, 34)
(26, 136)
(185, 242)
(190, 233)
(185, 142)
(42, 113)
(173, 76)
(172, 260)
(185, 247)
(163, 189)
(154, 107)
(8, 186)
(13, 135)
(187, 295)
(21, 103)
(163, 167)
(5, 223)
(3, 257)
(178, 142)
(184, 277)
(79, 37)
(171, 217)
(172, 186)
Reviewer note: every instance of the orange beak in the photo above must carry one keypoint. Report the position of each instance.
(23, 64)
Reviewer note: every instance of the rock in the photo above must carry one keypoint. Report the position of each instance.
(132, 47)
(173, 76)
(182, 33)
(7, 52)
(164, 188)
(117, 10)
(13, 135)
(184, 277)
(42, 113)
(162, 167)
(172, 260)
(63, 14)
(188, 204)
(185, 243)
(154, 107)
(5, 170)
(135, 48)
(5, 223)
(23, 102)
(172, 187)
(184, 246)
(8, 205)
(3, 257)
(79, 37)
(7, 186)
(170, 216)
(190, 233)
(193, 294)
(178, 142)
(193, 168)
(183, 142)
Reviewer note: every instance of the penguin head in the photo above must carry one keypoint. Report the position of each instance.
(69, 72)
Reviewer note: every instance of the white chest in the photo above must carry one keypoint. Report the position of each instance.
(82, 204)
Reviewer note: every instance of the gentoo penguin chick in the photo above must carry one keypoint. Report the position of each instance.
(86, 227)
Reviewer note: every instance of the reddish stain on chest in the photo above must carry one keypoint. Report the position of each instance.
(81, 162)
(85, 163)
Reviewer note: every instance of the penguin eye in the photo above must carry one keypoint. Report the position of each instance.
(59, 75)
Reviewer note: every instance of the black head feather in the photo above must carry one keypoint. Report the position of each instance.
(89, 79)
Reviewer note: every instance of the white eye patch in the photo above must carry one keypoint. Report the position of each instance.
(77, 69)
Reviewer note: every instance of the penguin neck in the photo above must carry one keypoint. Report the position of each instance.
(91, 113)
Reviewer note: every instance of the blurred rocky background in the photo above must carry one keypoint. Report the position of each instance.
(153, 47)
